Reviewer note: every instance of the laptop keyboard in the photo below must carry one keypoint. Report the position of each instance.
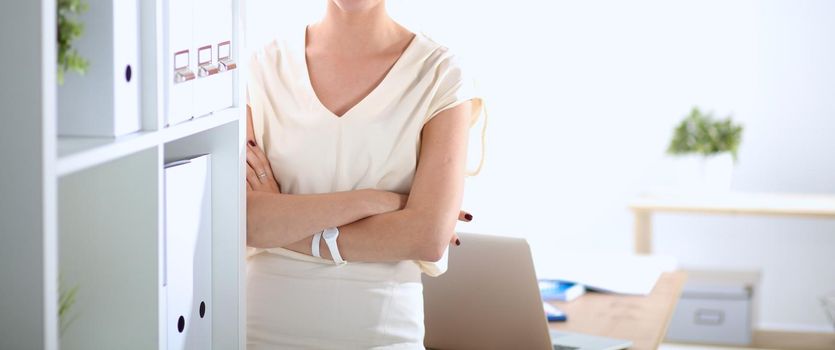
(563, 347)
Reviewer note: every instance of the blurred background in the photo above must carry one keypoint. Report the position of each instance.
(583, 99)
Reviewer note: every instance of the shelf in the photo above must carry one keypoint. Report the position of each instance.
(809, 205)
(79, 153)
(763, 204)
(198, 125)
(91, 210)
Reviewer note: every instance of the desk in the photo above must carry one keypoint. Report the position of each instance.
(643, 320)
(821, 206)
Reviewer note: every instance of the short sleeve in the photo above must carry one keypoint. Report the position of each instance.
(255, 94)
(437, 268)
(253, 78)
(248, 99)
(453, 87)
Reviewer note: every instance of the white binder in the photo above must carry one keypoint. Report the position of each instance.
(187, 278)
(212, 37)
(225, 89)
(205, 29)
(105, 100)
(179, 61)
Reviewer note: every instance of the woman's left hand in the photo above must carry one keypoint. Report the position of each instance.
(259, 173)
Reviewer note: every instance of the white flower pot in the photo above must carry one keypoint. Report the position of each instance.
(699, 173)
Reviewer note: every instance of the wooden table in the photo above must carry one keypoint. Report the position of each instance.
(798, 205)
(641, 319)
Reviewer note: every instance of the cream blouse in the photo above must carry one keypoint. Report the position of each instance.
(374, 145)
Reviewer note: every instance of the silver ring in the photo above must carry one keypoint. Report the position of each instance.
(262, 174)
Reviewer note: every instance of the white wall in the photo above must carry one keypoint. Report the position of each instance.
(583, 96)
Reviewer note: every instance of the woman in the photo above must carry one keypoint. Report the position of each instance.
(357, 148)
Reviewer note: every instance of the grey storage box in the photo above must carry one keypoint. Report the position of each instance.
(715, 308)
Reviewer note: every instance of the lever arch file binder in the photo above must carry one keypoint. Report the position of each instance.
(179, 61)
(104, 102)
(213, 34)
(187, 277)
(203, 29)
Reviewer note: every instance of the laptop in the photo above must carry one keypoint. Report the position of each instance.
(489, 299)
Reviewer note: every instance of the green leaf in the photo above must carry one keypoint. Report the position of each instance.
(701, 133)
(66, 300)
(69, 28)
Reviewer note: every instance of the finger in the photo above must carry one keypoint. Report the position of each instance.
(262, 157)
(261, 165)
(259, 161)
(252, 178)
(250, 174)
(252, 158)
(258, 152)
(465, 216)
(273, 183)
(264, 172)
(455, 239)
(250, 131)
(258, 167)
(248, 186)
(255, 152)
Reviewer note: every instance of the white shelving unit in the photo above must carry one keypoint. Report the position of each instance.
(91, 209)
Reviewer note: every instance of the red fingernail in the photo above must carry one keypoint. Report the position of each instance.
(252, 143)
(457, 241)
(468, 217)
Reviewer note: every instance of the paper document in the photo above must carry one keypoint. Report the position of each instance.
(606, 272)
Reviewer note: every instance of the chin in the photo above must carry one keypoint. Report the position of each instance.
(356, 5)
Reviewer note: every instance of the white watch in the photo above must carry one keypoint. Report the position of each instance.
(330, 235)
(314, 246)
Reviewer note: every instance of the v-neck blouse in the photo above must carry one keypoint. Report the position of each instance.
(374, 145)
(380, 85)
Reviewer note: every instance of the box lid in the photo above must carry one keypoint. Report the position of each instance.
(716, 291)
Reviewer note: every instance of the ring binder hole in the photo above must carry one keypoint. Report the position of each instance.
(128, 73)
(202, 309)
(181, 324)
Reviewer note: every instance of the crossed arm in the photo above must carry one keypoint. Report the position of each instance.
(374, 225)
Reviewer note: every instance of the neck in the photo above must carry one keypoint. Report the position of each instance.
(355, 31)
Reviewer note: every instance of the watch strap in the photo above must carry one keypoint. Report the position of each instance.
(314, 246)
(331, 234)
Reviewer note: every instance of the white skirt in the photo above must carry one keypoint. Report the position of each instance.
(296, 301)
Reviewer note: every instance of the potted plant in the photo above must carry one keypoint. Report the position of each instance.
(66, 300)
(706, 149)
(69, 29)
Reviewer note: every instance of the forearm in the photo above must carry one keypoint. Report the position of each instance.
(423, 229)
(406, 234)
(277, 220)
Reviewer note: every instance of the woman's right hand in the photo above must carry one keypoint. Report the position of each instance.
(259, 173)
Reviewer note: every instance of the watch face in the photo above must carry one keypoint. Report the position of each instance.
(330, 233)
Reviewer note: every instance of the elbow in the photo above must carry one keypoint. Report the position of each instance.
(433, 254)
(434, 243)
